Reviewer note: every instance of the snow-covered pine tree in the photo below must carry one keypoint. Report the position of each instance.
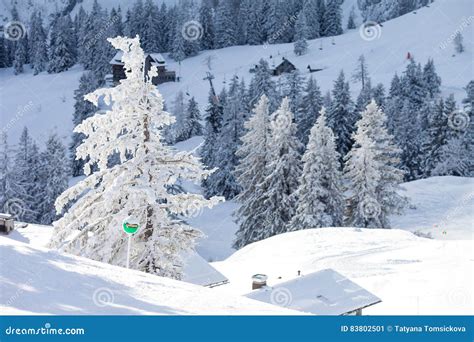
(254, 155)
(38, 47)
(320, 200)
(10, 190)
(361, 73)
(310, 9)
(351, 19)
(214, 113)
(20, 56)
(436, 136)
(61, 45)
(137, 186)
(26, 170)
(378, 94)
(363, 173)
(262, 84)
(410, 141)
(364, 98)
(293, 84)
(311, 104)
(225, 28)
(373, 123)
(206, 19)
(412, 85)
(171, 133)
(191, 125)
(301, 34)
(223, 182)
(341, 114)
(54, 175)
(332, 24)
(149, 32)
(283, 171)
(431, 79)
(82, 110)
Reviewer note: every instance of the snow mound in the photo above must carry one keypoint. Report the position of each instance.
(35, 280)
(441, 207)
(411, 275)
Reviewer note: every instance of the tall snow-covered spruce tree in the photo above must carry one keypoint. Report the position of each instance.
(320, 193)
(137, 186)
(251, 172)
(372, 173)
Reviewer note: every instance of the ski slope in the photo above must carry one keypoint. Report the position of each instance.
(34, 280)
(428, 33)
(412, 275)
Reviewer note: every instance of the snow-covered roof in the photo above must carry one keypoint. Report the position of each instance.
(117, 59)
(5, 216)
(198, 271)
(325, 292)
(157, 58)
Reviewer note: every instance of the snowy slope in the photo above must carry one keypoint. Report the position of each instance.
(440, 206)
(425, 34)
(411, 275)
(34, 280)
(44, 103)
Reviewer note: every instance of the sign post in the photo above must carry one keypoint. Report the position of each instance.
(130, 227)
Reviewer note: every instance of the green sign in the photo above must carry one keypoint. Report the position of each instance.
(130, 226)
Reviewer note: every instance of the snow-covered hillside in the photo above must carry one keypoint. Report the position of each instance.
(34, 280)
(428, 33)
(411, 275)
(440, 206)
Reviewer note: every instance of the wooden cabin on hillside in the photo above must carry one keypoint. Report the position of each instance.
(284, 67)
(151, 59)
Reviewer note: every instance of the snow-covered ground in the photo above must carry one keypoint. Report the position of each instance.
(428, 33)
(440, 206)
(411, 275)
(34, 280)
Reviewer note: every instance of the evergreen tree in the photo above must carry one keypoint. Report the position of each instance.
(311, 105)
(361, 73)
(25, 170)
(293, 90)
(146, 169)
(214, 113)
(82, 110)
(310, 10)
(225, 28)
(332, 25)
(340, 115)
(373, 176)
(54, 172)
(413, 86)
(351, 19)
(278, 188)
(378, 94)
(262, 84)
(206, 19)
(254, 155)
(191, 125)
(61, 48)
(320, 200)
(38, 48)
(431, 79)
(436, 137)
(301, 34)
(20, 57)
(3, 54)
(223, 182)
(10, 190)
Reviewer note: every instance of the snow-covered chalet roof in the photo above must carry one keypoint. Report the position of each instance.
(198, 271)
(325, 292)
(157, 58)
